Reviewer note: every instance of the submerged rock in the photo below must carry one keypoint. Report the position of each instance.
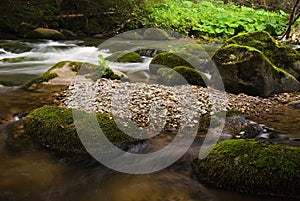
(247, 70)
(255, 167)
(15, 46)
(53, 128)
(17, 59)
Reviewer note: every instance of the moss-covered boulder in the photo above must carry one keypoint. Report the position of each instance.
(156, 34)
(279, 54)
(64, 73)
(251, 166)
(44, 33)
(247, 70)
(124, 57)
(181, 75)
(53, 127)
(168, 59)
(192, 75)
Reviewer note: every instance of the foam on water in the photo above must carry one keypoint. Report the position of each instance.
(46, 54)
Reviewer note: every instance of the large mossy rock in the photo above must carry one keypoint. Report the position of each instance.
(53, 127)
(280, 55)
(255, 167)
(44, 33)
(247, 70)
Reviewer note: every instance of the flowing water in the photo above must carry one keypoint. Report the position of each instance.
(34, 174)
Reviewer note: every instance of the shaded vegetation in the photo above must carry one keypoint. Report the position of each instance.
(210, 19)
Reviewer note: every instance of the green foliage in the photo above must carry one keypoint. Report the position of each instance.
(102, 70)
(256, 167)
(211, 19)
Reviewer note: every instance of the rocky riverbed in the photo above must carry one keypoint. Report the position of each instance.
(173, 104)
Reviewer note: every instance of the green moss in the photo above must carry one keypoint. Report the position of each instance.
(17, 59)
(122, 57)
(180, 75)
(251, 166)
(167, 59)
(191, 75)
(53, 127)
(244, 53)
(280, 55)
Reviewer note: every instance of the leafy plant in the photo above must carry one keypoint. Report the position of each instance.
(209, 19)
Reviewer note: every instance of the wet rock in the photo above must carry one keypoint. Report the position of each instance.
(241, 128)
(255, 167)
(294, 104)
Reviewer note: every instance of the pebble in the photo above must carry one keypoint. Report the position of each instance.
(154, 106)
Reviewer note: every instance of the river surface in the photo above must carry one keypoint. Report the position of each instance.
(34, 174)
